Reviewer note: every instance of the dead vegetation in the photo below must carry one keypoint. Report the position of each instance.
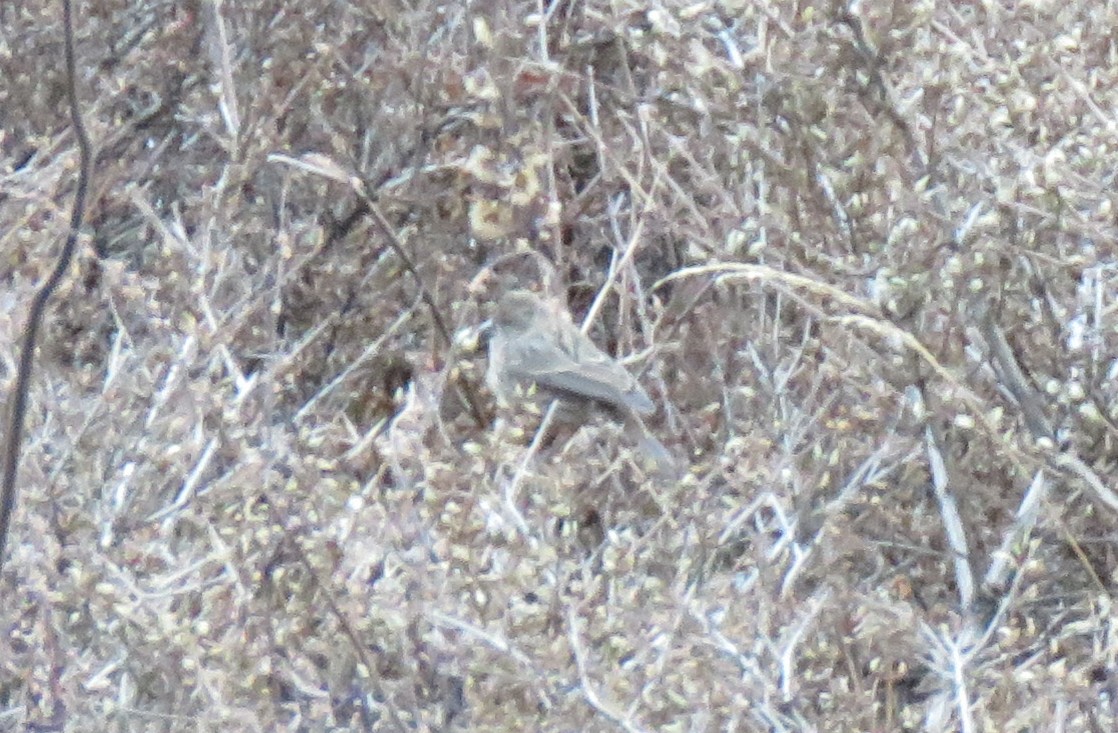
(862, 255)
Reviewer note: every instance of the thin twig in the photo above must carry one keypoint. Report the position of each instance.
(39, 303)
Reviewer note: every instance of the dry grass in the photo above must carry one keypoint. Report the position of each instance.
(863, 256)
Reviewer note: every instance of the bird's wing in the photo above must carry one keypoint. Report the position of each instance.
(599, 379)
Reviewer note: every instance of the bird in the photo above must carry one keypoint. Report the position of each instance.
(537, 354)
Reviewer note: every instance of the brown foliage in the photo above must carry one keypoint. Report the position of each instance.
(862, 255)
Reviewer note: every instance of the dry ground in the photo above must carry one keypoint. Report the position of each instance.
(862, 256)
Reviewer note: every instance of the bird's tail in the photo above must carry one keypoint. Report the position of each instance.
(663, 462)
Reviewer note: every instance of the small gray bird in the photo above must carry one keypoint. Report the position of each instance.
(537, 354)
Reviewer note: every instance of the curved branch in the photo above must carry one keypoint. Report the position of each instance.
(39, 303)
